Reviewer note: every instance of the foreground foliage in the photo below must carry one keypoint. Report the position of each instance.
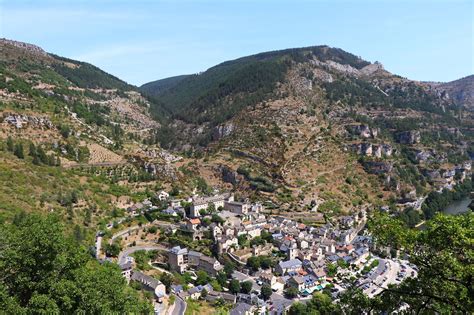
(43, 271)
(444, 255)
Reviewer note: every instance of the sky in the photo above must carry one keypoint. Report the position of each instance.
(143, 40)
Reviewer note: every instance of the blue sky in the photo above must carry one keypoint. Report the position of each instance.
(141, 41)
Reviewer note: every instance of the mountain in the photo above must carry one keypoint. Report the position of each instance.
(159, 86)
(459, 91)
(314, 126)
(71, 138)
(299, 129)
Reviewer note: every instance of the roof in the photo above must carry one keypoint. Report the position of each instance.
(293, 263)
(208, 259)
(176, 288)
(241, 309)
(194, 253)
(195, 221)
(145, 279)
(298, 279)
(179, 251)
(126, 266)
(224, 295)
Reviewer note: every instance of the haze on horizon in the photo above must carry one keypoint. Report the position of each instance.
(142, 41)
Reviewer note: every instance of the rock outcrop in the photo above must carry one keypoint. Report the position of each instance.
(409, 137)
(222, 131)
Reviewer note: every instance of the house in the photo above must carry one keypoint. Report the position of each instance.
(261, 250)
(292, 253)
(178, 259)
(149, 283)
(320, 274)
(176, 203)
(176, 288)
(268, 278)
(360, 255)
(162, 195)
(257, 207)
(227, 297)
(280, 307)
(226, 243)
(192, 224)
(194, 258)
(210, 265)
(242, 309)
(297, 282)
(170, 211)
(240, 208)
(306, 254)
(126, 270)
(203, 203)
(195, 292)
(285, 267)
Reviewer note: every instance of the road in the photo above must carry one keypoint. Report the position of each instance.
(130, 250)
(179, 307)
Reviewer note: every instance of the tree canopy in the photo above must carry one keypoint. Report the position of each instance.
(444, 256)
(45, 271)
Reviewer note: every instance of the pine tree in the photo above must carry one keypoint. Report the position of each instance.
(36, 160)
(19, 151)
(10, 145)
(32, 150)
(42, 155)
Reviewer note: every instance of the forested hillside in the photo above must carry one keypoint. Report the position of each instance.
(71, 139)
(310, 125)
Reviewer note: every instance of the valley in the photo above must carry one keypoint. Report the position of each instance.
(263, 184)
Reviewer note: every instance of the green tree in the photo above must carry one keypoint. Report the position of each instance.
(229, 268)
(113, 249)
(246, 287)
(444, 255)
(320, 303)
(44, 271)
(243, 241)
(234, 286)
(202, 277)
(217, 219)
(167, 280)
(222, 278)
(203, 293)
(32, 150)
(253, 263)
(291, 292)
(19, 152)
(10, 144)
(266, 291)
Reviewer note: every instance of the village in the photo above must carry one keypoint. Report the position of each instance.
(281, 260)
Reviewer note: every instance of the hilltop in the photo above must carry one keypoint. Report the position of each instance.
(461, 91)
(314, 126)
(308, 131)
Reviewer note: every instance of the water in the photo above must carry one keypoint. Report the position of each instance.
(455, 207)
(458, 206)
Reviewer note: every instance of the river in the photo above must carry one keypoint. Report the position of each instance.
(455, 207)
(458, 206)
